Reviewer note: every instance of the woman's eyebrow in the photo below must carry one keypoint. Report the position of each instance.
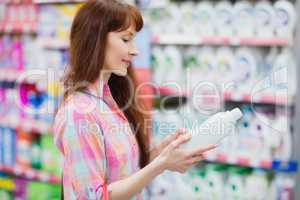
(130, 32)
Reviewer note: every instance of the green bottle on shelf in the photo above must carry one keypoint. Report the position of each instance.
(36, 153)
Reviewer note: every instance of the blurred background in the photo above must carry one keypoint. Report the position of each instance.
(196, 58)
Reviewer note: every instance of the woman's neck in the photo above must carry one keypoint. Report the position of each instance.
(97, 87)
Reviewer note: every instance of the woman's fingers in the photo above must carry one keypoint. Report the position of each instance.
(180, 140)
(195, 159)
(200, 151)
(170, 138)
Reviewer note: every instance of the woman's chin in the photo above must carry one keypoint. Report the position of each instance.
(120, 72)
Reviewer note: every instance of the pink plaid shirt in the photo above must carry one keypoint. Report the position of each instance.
(97, 145)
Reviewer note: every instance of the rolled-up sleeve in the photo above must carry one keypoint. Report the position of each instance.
(84, 156)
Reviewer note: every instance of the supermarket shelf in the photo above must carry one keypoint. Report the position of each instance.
(54, 43)
(28, 125)
(288, 166)
(9, 74)
(57, 1)
(31, 174)
(235, 96)
(25, 28)
(241, 161)
(167, 91)
(262, 98)
(226, 41)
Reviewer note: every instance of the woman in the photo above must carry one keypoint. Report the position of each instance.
(98, 127)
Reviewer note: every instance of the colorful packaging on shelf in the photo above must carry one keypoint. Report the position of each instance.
(51, 158)
(284, 184)
(215, 178)
(199, 184)
(17, 54)
(66, 14)
(8, 147)
(23, 146)
(235, 184)
(11, 52)
(5, 195)
(34, 55)
(2, 132)
(20, 191)
(46, 191)
(12, 21)
(47, 23)
(36, 153)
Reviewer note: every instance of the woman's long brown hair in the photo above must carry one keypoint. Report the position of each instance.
(88, 38)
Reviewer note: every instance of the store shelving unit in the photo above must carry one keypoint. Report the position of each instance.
(31, 174)
(224, 41)
(236, 96)
(295, 121)
(290, 102)
(54, 43)
(57, 1)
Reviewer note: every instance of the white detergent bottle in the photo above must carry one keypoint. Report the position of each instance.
(214, 129)
(286, 19)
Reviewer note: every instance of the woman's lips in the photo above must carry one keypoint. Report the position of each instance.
(127, 62)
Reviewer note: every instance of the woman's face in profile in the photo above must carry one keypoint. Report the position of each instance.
(120, 51)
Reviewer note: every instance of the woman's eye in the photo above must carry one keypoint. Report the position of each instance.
(125, 40)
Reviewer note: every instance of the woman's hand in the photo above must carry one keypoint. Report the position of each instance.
(174, 158)
(165, 142)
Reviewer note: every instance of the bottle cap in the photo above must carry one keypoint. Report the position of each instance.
(236, 114)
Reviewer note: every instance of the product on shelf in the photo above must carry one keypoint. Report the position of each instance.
(224, 19)
(285, 21)
(11, 52)
(225, 64)
(243, 69)
(168, 61)
(20, 17)
(187, 12)
(36, 153)
(235, 187)
(242, 19)
(23, 149)
(5, 195)
(35, 190)
(204, 14)
(264, 19)
(257, 185)
(56, 27)
(46, 191)
(51, 158)
(8, 144)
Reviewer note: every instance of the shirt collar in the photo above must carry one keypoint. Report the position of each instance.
(108, 99)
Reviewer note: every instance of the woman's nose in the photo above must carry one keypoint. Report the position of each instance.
(133, 51)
